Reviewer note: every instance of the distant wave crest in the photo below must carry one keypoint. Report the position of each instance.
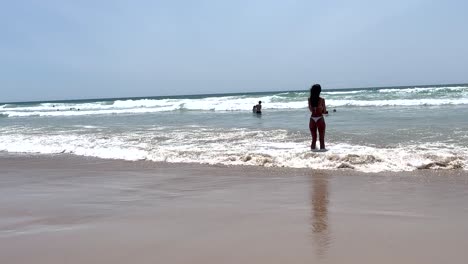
(416, 96)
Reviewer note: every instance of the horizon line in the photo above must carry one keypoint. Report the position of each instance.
(229, 93)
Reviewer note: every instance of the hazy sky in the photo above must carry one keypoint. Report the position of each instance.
(86, 49)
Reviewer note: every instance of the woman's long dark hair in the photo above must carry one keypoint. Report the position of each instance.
(314, 94)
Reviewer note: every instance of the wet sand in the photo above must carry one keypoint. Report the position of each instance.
(66, 209)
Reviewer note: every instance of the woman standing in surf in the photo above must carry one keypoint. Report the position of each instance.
(317, 121)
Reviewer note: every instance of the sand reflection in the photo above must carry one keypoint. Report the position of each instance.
(319, 217)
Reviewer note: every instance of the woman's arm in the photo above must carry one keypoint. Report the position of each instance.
(310, 106)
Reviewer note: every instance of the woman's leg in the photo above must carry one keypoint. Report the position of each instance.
(313, 131)
(321, 128)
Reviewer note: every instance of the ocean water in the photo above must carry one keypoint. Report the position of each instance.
(372, 130)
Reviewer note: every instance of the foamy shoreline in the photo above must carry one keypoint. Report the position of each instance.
(373, 130)
(239, 147)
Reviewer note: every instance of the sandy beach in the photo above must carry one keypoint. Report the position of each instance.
(68, 209)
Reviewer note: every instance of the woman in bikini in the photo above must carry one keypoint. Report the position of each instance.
(317, 121)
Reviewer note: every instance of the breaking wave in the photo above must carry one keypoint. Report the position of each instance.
(417, 96)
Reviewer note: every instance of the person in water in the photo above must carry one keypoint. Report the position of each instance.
(258, 108)
(317, 122)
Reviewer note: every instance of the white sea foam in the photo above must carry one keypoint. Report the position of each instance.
(154, 106)
(343, 92)
(238, 147)
(424, 89)
(398, 102)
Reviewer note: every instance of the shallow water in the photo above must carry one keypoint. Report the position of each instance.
(372, 129)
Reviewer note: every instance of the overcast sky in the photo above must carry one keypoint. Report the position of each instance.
(87, 49)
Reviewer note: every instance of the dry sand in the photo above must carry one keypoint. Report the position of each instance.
(65, 209)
